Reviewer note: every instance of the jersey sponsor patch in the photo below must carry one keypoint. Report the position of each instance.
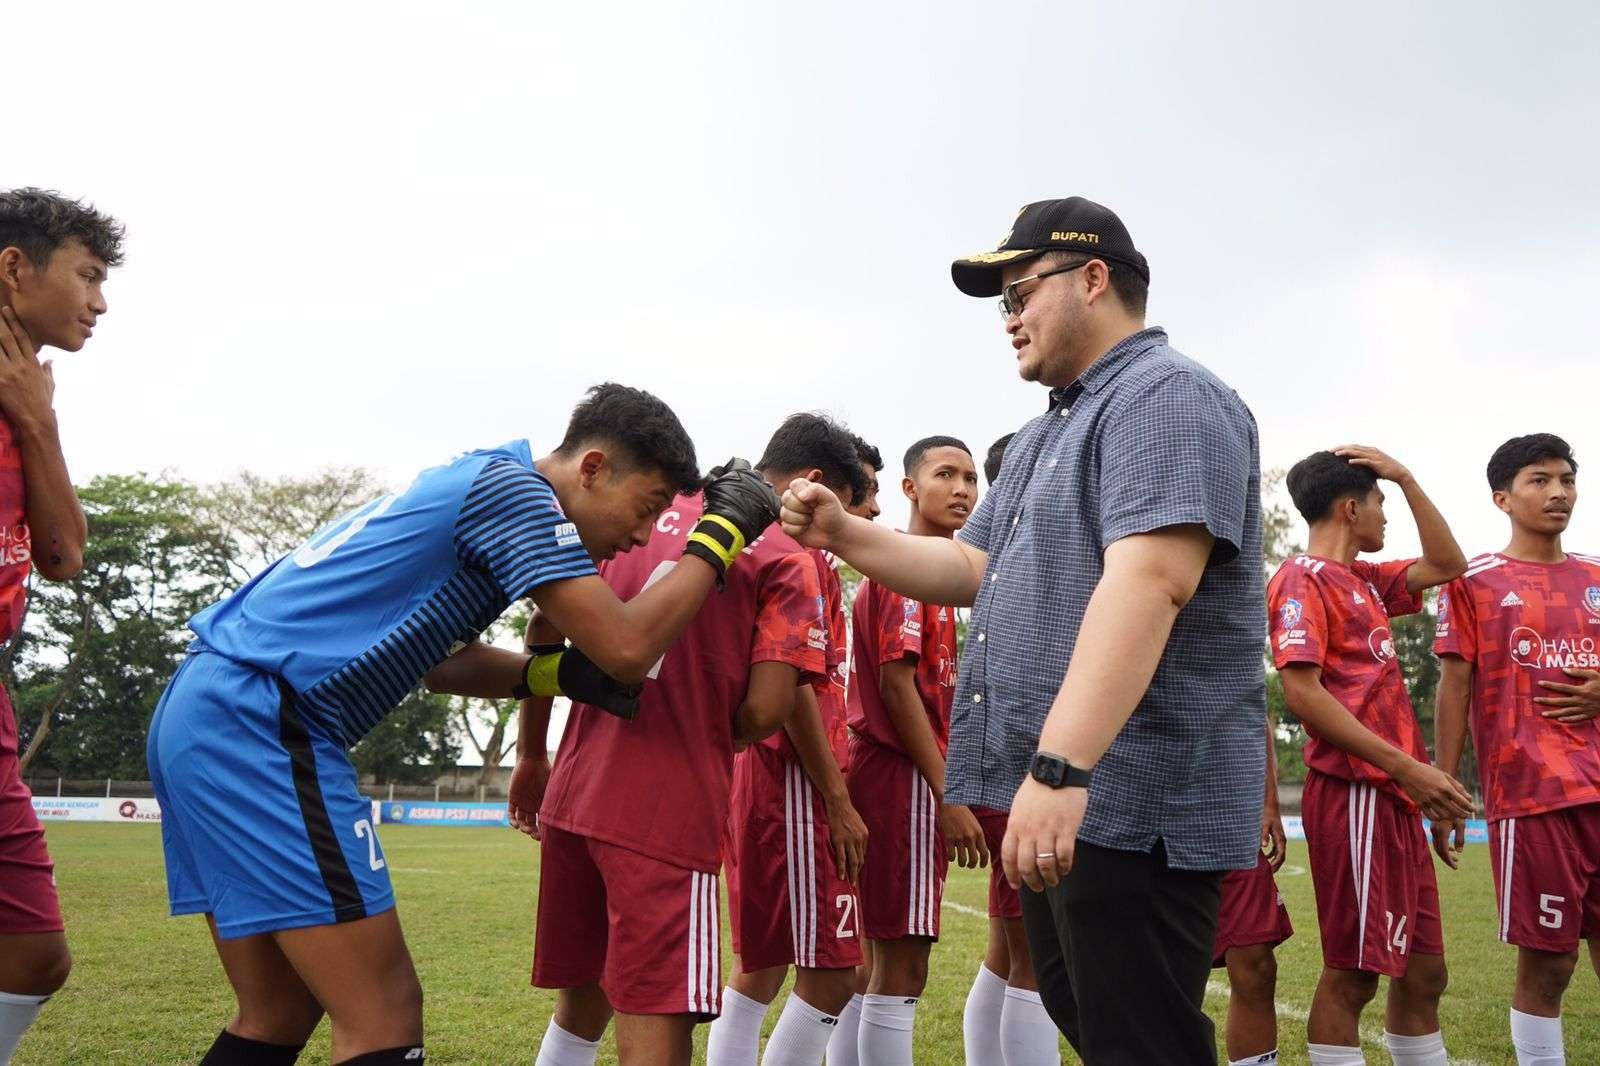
(1291, 612)
(566, 534)
(1591, 600)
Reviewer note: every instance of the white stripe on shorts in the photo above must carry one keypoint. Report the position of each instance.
(801, 841)
(1508, 852)
(705, 950)
(1363, 804)
(919, 913)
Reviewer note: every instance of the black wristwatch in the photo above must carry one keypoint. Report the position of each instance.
(1052, 771)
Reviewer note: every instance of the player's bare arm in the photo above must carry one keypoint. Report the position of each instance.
(1449, 741)
(56, 521)
(768, 702)
(930, 569)
(1273, 841)
(1148, 579)
(846, 830)
(1442, 559)
(897, 683)
(532, 772)
(1439, 794)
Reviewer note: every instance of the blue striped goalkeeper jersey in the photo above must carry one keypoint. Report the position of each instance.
(354, 617)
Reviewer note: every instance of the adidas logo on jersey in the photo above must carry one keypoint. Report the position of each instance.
(1512, 600)
(1359, 601)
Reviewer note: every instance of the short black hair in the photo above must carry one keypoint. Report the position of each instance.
(1519, 452)
(867, 453)
(648, 434)
(997, 454)
(915, 453)
(38, 221)
(1133, 291)
(807, 441)
(1322, 479)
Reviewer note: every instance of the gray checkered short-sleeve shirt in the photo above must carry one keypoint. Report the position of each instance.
(1145, 439)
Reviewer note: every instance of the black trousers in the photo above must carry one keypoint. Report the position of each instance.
(1122, 950)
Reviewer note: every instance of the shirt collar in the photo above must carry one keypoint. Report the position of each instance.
(1108, 366)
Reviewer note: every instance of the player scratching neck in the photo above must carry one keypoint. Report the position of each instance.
(942, 484)
(1538, 498)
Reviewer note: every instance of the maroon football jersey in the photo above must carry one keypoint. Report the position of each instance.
(16, 552)
(1520, 623)
(659, 784)
(888, 626)
(1337, 617)
(829, 686)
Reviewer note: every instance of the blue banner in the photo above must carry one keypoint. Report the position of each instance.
(407, 813)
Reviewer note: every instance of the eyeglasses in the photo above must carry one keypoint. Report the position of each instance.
(1011, 300)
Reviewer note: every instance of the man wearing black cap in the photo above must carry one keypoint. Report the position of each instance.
(1112, 692)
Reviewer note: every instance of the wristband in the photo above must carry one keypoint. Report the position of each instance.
(718, 536)
(539, 675)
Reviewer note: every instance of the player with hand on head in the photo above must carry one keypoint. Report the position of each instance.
(633, 818)
(54, 256)
(1517, 636)
(265, 830)
(1368, 768)
(904, 668)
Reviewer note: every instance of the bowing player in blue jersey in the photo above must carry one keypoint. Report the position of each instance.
(264, 829)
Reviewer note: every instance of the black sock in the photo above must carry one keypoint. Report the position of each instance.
(230, 1050)
(409, 1055)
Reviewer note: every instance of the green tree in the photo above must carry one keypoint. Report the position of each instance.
(413, 744)
(257, 520)
(473, 716)
(102, 646)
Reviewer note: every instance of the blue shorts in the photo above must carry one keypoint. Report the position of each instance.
(261, 819)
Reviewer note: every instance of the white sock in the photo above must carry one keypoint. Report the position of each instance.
(801, 1035)
(736, 1034)
(842, 1045)
(1335, 1055)
(1537, 1040)
(1416, 1050)
(561, 1048)
(1027, 1035)
(16, 1014)
(1269, 1058)
(886, 1024)
(980, 1022)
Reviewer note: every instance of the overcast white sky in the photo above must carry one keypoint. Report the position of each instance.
(381, 234)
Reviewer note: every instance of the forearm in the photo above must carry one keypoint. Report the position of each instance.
(930, 569)
(1327, 717)
(479, 670)
(810, 742)
(1442, 559)
(909, 718)
(56, 521)
(533, 727)
(626, 639)
(1450, 717)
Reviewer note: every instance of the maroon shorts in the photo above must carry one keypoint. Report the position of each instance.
(1547, 877)
(1252, 912)
(902, 881)
(787, 904)
(646, 931)
(1377, 896)
(28, 902)
(1003, 899)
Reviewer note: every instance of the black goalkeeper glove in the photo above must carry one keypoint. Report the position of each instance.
(739, 506)
(557, 670)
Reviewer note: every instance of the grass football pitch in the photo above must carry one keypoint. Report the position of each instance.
(147, 989)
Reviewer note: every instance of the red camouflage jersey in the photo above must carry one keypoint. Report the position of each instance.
(659, 785)
(830, 603)
(16, 549)
(888, 626)
(1337, 617)
(1519, 623)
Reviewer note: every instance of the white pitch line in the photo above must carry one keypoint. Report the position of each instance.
(1369, 1035)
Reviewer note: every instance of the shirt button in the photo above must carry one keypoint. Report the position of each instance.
(993, 578)
(1015, 519)
(1064, 412)
(980, 638)
(977, 697)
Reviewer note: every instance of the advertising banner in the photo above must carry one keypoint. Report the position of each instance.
(96, 809)
(1477, 829)
(408, 813)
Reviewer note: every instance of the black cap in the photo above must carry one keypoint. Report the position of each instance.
(1070, 225)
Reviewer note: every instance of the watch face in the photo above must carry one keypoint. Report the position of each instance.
(1047, 770)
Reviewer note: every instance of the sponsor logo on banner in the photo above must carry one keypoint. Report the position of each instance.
(446, 813)
(95, 809)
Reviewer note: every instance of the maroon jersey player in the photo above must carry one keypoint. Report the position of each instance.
(54, 254)
(1519, 639)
